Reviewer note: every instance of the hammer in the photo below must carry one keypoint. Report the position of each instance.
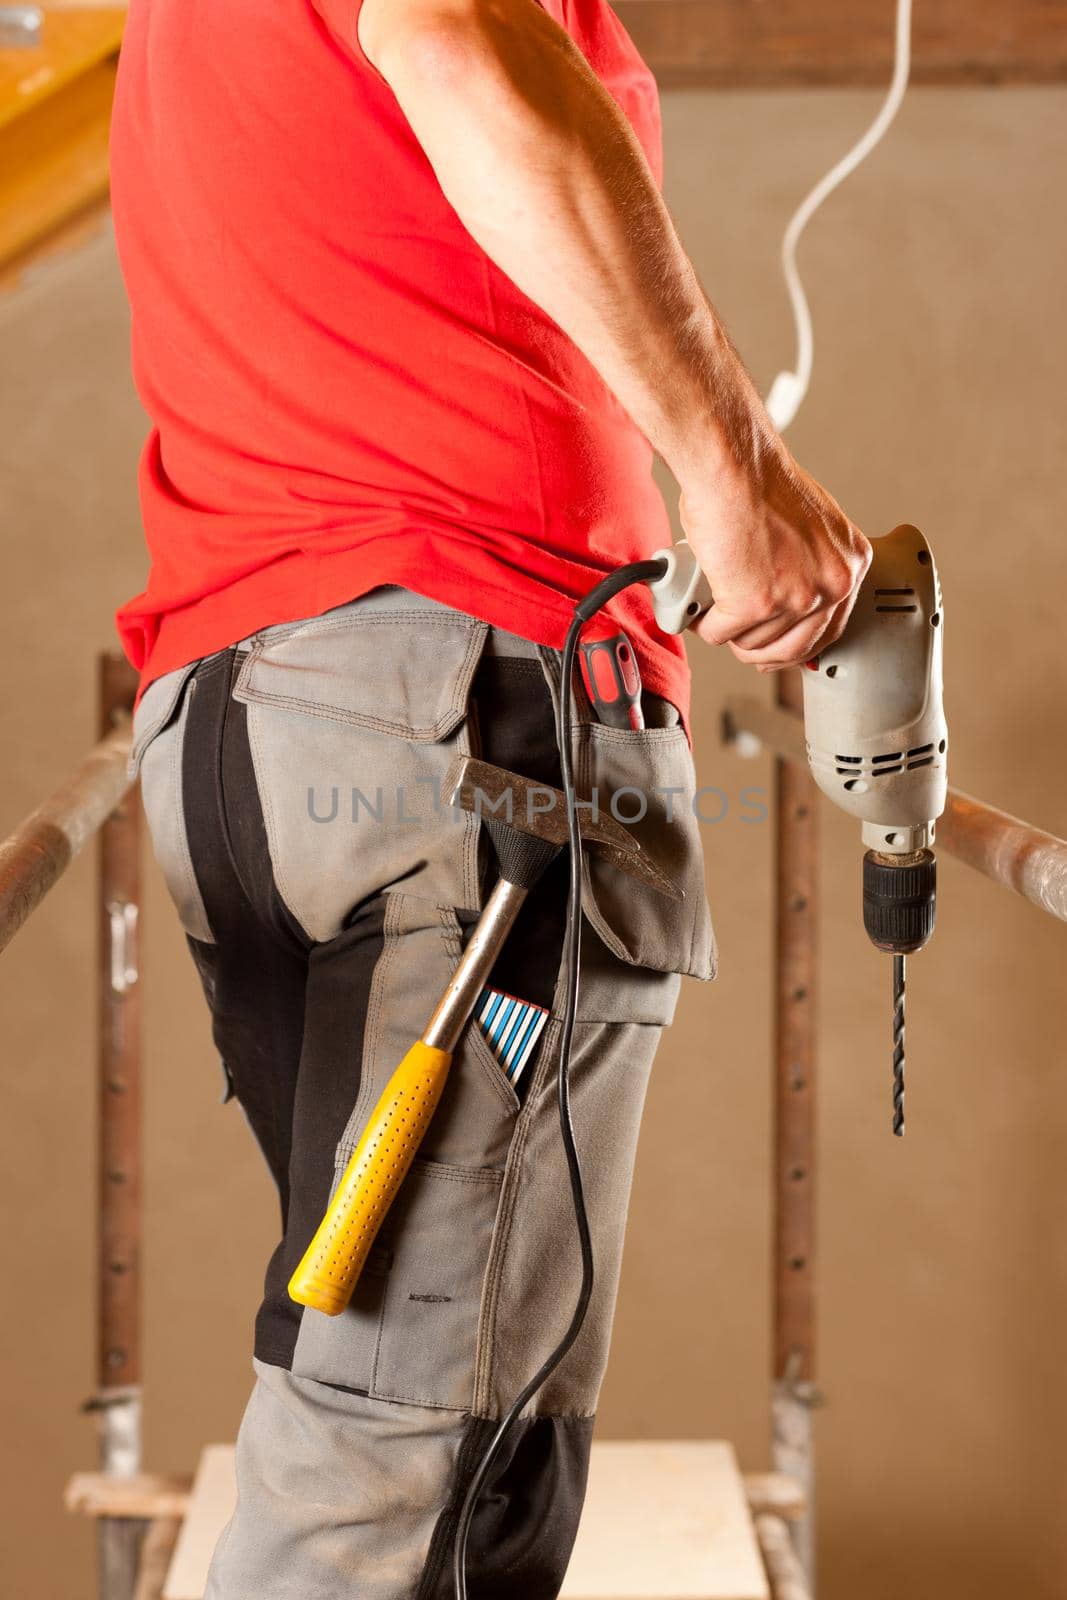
(527, 823)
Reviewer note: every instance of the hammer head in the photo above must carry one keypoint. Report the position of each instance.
(509, 800)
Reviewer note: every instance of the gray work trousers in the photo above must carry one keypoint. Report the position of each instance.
(293, 789)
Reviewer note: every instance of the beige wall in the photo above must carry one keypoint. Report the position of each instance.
(937, 286)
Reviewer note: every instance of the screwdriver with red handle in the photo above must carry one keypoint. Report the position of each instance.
(613, 680)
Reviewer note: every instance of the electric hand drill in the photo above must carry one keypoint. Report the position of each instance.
(876, 738)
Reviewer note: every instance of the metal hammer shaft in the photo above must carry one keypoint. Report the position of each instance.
(484, 945)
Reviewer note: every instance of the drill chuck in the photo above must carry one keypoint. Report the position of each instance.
(899, 896)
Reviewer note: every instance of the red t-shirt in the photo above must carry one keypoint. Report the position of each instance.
(344, 390)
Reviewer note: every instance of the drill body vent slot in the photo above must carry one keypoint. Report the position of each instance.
(905, 597)
(884, 766)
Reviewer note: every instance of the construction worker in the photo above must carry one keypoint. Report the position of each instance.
(409, 318)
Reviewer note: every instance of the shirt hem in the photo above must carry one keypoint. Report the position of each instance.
(537, 613)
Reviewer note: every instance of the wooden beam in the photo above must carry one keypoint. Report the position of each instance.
(736, 44)
(55, 110)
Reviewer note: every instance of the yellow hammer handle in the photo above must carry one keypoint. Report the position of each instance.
(334, 1259)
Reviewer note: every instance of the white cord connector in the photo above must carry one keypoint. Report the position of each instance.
(682, 595)
(789, 388)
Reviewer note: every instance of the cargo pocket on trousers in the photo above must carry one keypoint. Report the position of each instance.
(439, 1238)
(158, 740)
(411, 1330)
(353, 719)
(645, 780)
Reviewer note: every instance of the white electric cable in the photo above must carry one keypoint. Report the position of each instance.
(789, 388)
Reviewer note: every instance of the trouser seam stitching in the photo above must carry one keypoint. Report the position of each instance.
(486, 1340)
(498, 1249)
(177, 776)
(372, 1029)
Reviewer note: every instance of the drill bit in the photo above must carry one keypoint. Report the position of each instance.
(898, 1046)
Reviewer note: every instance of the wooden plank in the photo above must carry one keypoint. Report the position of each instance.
(745, 43)
(72, 43)
(148, 1495)
(665, 1520)
(68, 236)
(55, 112)
(210, 1508)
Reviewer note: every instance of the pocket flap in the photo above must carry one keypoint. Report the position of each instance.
(405, 672)
(155, 709)
(644, 779)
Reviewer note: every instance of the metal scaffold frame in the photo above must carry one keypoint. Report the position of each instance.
(1014, 854)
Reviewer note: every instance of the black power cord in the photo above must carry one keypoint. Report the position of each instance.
(622, 578)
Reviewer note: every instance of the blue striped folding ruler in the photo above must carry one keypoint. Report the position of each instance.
(512, 1028)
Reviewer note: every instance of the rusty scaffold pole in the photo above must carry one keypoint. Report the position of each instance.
(1019, 856)
(117, 1401)
(796, 957)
